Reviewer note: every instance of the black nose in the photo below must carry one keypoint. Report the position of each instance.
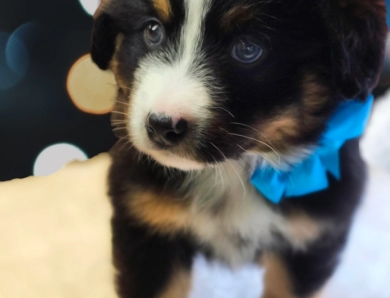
(163, 131)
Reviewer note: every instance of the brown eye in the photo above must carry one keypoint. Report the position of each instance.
(154, 34)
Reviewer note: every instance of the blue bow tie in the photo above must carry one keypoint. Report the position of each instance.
(311, 175)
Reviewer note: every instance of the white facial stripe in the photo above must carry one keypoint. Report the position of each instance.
(176, 87)
(192, 32)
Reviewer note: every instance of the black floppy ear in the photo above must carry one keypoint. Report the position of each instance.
(104, 35)
(357, 31)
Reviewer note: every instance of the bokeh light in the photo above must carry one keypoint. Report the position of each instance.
(90, 6)
(14, 60)
(91, 89)
(55, 157)
(29, 32)
(16, 55)
(38, 46)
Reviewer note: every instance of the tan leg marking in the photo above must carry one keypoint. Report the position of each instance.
(179, 286)
(162, 213)
(277, 281)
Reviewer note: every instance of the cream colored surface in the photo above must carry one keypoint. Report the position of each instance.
(54, 234)
(55, 242)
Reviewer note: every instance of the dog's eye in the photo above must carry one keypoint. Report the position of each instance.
(154, 34)
(246, 50)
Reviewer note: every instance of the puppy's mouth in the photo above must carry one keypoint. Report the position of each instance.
(171, 160)
(171, 157)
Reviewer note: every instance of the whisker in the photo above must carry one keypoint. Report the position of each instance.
(116, 85)
(243, 164)
(249, 138)
(120, 113)
(219, 108)
(220, 172)
(243, 148)
(223, 164)
(117, 122)
(119, 128)
(265, 26)
(129, 148)
(251, 127)
(238, 175)
(246, 163)
(269, 40)
(124, 144)
(227, 174)
(215, 176)
(270, 16)
(123, 102)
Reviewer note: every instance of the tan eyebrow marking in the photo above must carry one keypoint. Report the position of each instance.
(235, 16)
(163, 8)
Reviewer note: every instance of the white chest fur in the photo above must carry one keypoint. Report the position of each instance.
(229, 215)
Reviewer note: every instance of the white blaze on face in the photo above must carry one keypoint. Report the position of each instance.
(192, 32)
(177, 88)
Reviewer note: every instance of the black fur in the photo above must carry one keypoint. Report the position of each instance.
(311, 269)
(103, 40)
(355, 27)
(146, 260)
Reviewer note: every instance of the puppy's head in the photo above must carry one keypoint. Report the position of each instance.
(201, 81)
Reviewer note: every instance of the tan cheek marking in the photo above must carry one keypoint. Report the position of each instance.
(278, 131)
(179, 286)
(304, 229)
(163, 8)
(315, 96)
(114, 64)
(277, 281)
(163, 214)
(236, 16)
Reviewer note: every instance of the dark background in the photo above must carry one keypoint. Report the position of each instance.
(35, 109)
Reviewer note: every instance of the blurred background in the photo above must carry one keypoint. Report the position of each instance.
(43, 44)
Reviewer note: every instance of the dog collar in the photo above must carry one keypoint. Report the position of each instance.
(311, 175)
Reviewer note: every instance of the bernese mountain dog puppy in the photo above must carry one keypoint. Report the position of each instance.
(211, 92)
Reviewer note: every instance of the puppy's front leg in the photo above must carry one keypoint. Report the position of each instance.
(302, 274)
(149, 265)
(279, 282)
